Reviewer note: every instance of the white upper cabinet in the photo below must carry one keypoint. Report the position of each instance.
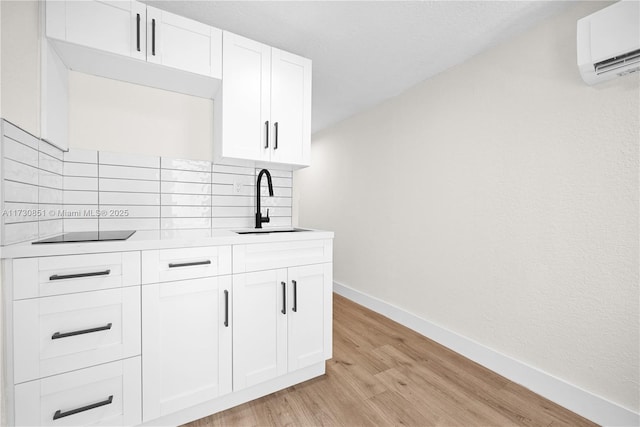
(265, 111)
(121, 39)
(115, 26)
(178, 42)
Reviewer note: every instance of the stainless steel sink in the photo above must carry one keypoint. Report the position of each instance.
(268, 231)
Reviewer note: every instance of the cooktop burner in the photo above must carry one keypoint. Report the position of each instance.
(88, 236)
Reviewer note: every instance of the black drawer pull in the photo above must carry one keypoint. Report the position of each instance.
(226, 308)
(138, 32)
(295, 296)
(266, 130)
(284, 298)
(78, 275)
(153, 37)
(59, 335)
(189, 264)
(60, 414)
(275, 144)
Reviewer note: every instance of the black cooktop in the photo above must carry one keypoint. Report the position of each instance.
(88, 236)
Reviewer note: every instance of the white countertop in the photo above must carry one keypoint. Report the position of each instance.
(159, 239)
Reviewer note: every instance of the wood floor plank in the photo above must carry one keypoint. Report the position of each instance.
(385, 374)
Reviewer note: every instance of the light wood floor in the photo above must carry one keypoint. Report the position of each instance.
(384, 374)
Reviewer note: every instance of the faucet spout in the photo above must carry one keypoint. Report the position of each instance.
(259, 218)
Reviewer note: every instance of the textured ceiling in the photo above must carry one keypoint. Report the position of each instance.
(366, 51)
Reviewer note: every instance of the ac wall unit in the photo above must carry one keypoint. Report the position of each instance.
(609, 42)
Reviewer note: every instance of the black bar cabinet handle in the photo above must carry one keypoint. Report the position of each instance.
(189, 264)
(295, 296)
(266, 139)
(275, 144)
(60, 414)
(78, 275)
(284, 298)
(138, 31)
(59, 335)
(226, 308)
(153, 37)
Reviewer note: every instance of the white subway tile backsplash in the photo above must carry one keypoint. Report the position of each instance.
(89, 190)
(239, 170)
(228, 190)
(19, 192)
(186, 212)
(129, 185)
(107, 224)
(233, 201)
(50, 228)
(46, 148)
(50, 164)
(19, 172)
(73, 224)
(80, 183)
(50, 196)
(81, 169)
(185, 188)
(80, 197)
(119, 159)
(185, 223)
(118, 198)
(129, 211)
(169, 199)
(188, 165)
(20, 212)
(20, 232)
(81, 156)
(227, 178)
(19, 152)
(128, 172)
(50, 180)
(17, 134)
(186, 176)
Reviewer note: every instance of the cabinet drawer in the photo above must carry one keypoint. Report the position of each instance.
(265, 256)
(57, 334)
(105, 395)
(56, 275)
(166, 265)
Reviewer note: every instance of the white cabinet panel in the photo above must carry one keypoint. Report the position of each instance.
(111, 26)
(310, 302)
(104, 395)
(291, 108)
(56, 275)
(68, 332)
(259, 327)
(264, 256)
(166, 265)
(187, 344)
(265, 112)
(182, 43)
(246, 71)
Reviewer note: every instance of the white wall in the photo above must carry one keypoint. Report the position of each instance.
(499, 200)
(109, 115)
(20, 51)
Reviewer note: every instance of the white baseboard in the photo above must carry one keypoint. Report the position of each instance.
(588, 405)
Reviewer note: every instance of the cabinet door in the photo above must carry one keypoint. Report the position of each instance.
(290, 108)
(182, 43)
(309, 306)
(111, 26)
(259, 327)
(186, 345)
(246, 69)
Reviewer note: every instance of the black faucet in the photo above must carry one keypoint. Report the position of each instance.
(259, 218)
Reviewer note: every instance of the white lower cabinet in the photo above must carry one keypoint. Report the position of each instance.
(186, 344)
(282, 322)
(103, 395)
